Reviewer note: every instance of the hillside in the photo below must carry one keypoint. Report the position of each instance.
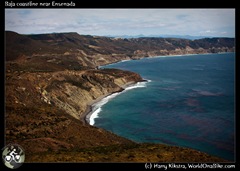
(74, 51)
(52, 80)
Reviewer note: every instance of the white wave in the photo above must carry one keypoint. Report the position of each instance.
(125, 60)
(94, 116)
(149, 81)
(97, 107)
(138, 85)
(169, 56)
(104, 101)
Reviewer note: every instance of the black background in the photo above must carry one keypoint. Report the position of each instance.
(114, 4)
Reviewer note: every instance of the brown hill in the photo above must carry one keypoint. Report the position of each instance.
(74, 51)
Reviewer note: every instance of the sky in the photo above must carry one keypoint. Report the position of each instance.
(102, 22)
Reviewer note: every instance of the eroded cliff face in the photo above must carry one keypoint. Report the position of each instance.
(71, 91)
(75, 91)
(138, 54)
(44, 110)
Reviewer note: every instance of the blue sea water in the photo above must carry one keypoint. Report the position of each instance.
(189, 102)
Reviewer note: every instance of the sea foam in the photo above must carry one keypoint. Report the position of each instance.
(97, 107)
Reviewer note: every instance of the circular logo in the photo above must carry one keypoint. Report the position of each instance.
(13, 156)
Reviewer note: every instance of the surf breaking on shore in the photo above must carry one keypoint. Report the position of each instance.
(96, 107)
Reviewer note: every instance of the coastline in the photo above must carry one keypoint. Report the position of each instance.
(89, 111)
(64, 113)
(85, 117)
(108, 122)
(169, 55)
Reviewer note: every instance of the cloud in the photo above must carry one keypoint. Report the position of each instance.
(122, 21)
(208, 31)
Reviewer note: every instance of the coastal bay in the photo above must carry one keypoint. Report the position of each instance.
(188, 95)
(52, 80)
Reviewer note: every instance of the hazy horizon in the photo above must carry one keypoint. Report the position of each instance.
(119, 22)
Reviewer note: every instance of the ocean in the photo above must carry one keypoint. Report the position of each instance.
(188, 101)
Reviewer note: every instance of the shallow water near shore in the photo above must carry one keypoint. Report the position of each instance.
(96, 108)
(189, 102)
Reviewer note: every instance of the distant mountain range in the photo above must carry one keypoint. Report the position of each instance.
(160, 36)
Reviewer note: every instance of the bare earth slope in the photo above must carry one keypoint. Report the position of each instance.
(52, 79)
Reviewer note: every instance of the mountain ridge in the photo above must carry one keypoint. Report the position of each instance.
(190, 37)
(92, 51)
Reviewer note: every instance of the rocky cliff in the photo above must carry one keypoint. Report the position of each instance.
(44, 110)
(70, 91)
(52, 79)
